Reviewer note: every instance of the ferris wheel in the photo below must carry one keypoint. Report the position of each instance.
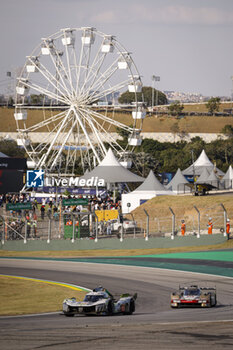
(66, 107)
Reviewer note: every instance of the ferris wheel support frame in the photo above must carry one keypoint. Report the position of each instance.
(74, 78)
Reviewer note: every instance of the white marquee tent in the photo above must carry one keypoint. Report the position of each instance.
(150, 188)
(178, 184)
(112, 171)
(227, 180)
(200, 164)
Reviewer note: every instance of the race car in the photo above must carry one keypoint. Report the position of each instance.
(100, 302)
(194, 295)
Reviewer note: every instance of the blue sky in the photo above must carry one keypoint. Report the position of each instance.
(187, 43)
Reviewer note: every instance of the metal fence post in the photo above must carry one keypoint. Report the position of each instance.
(122, 229)
(173, 223)
(3, 230)
(73, 226)
(199, 224)
(49, 231)
(134, 228)
(147, 225)
(26, 228)
(225, 219)
(96, 227)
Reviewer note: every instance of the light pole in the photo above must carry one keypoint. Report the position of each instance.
(231, 93)
(154, 79)
(194, 177)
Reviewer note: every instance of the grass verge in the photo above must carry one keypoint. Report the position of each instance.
(19, 297)
(115, 252)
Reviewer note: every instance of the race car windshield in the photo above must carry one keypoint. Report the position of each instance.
(93, 298)
(192, 292)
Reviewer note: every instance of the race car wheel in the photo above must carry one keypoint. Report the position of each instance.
(131, 308)
(110, 308)
(213, 300)
(68, 313)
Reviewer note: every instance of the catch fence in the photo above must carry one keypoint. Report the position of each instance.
(30, 225)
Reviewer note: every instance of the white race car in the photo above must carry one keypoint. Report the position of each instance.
(194, 295)
(100, 302)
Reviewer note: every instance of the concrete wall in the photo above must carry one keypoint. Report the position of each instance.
(159, 136)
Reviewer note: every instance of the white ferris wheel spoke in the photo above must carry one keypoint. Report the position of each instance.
(58, 63)
(55, 161)
(42, 162)
(47, 140)
(98, 61)
(51, 79)
(79, 68)
(69, 69)
(86, 134)
(46, 122)
(112, 89)
(108, 137)
(111, 121)
(45, 91)
(102, 79)
(91, 124)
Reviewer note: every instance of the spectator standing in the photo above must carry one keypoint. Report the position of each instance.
(210, 226)
(42, 211)
(183, 227)
(228, 227)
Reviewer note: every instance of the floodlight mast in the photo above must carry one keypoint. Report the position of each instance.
(154, 79)
(231, 93)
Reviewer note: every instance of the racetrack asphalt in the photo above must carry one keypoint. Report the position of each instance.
(212, 262)
(154, 324)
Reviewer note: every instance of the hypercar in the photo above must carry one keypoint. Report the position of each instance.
(194, 295)
(100, 302)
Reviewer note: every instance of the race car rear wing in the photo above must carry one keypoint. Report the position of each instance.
(208, 288)
(181, 288)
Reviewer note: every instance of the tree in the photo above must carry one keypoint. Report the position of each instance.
(36, 99)
(11, 149)
(213, 105)
(122, 132)
(129, 97)
(175, 108)
(228, 130)
(144, 162)
(175, 129)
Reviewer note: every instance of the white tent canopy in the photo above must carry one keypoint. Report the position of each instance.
(151, 183)
(200, 164)
(112, 171)
(178, 184)
(150, 188)
(203, 177)
(213, 179)
(227, 180)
